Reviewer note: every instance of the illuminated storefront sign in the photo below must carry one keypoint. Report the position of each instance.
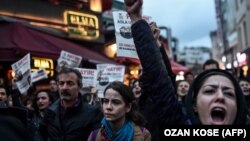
(82, 25)
(47, 64)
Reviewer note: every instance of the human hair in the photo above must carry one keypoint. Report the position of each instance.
(66, 70)
(188, 73)
(243, 79)
(177, 83)
(194, 89)
(135, 81)
(210, 62)
(128, 97)
(131, 82)
(34, 104)
(2, 87)
(52, 79)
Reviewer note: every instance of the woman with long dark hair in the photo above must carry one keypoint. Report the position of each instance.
(121, 119)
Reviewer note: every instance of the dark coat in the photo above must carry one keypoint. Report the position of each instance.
(77, 123)
(13, 123)
(158, 102)
(33, 119)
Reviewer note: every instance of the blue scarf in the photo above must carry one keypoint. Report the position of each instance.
(126, 133)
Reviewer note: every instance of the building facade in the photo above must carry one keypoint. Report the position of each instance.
(45, 27)
(233, 30)
(243, 23)
(194, 57)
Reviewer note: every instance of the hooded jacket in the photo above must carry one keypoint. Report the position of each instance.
(195, 87)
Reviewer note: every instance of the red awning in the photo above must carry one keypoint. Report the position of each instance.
(125, 60)
(176, 67)
(17, 40)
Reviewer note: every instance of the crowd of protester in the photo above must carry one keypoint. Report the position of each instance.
(137, 112)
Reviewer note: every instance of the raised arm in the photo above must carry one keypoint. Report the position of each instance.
(156, 83)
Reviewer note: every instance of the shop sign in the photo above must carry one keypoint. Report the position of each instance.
(39, 63)
(81, 25)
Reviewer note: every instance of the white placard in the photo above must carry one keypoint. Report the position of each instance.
(107, 73)
(23, 70)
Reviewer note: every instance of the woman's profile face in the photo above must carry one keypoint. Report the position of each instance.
(216, 101)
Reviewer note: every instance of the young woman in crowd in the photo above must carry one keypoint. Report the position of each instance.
(122, 121)
(41, 101)
(136, 88)
(225, 103)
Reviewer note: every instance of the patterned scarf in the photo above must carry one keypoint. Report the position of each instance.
(126, 133)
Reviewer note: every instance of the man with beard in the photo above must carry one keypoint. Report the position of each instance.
(69, 118)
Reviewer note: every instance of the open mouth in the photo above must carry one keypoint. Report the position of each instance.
(245, 90)
(218, 115)
(138, 92)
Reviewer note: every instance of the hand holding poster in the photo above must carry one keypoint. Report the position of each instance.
(89, 77)
(22, 71)
(108, 73)
(124, 40)
(68, 59)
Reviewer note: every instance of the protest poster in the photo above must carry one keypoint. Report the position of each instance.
(22, 71)
(68, 59)
(124, 40)
(89, 77)
(38, 75)
(107, 73)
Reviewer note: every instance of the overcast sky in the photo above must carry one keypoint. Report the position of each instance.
(190, 20)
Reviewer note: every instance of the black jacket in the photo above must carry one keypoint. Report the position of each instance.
(158, 102)
(76, 125)
(33, 118)
(13, 121)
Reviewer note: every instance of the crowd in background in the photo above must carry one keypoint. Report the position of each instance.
(137, 112)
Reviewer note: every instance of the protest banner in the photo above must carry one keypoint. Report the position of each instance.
(68, 59)
(124, 40)
(22, 70)
(107, 73)
(89, 77)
